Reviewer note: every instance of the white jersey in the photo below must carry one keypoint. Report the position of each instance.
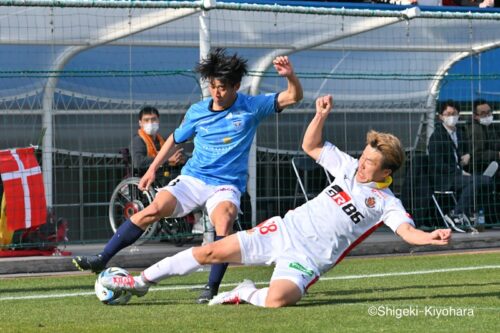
(346, 212)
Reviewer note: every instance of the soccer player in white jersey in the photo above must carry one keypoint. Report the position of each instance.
(223, 128)
(314, 237)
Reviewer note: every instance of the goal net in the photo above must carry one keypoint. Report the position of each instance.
(74, 74)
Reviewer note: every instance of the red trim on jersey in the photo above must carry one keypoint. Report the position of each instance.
(313, 281)
(359, 240)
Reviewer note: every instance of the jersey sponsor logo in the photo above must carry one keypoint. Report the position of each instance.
(341, 198)
(338, 195)
(299, 267)
(370, 202)
(237, 123)
(223, 189)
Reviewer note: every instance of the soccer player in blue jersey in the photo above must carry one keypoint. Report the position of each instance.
(313, 238)
(223, 128)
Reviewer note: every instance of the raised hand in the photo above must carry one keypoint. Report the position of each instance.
(324, 105)
(147, 180)
(283, 66)
(177, 158)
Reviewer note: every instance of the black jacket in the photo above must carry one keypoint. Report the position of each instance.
(141, 160)
(443, 165)
(486, 145)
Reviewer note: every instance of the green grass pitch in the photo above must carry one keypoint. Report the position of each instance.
(423, 293)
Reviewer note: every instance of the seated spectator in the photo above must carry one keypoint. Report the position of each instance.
(448, 156)
(147, 142)
(484, 137)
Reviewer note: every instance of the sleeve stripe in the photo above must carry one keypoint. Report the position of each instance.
(175, 141)
(277, 110)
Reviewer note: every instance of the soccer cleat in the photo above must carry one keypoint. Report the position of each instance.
(207, 294)
(93, 263)
(127, 283)
(233, 296)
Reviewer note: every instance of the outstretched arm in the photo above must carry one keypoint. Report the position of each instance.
(418, 237)
(313, 138)
(294, 92)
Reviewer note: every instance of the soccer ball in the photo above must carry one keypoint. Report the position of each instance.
(108, 296)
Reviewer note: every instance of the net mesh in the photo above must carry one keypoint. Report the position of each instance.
(73, 75)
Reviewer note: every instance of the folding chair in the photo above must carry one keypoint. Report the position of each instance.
(306, 165)
(490, 172)
(448, 221)
(420, 185)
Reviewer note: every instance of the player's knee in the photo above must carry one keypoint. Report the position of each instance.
(147, 216)
(282, 293)
(206, 254)
(224, 215)
(278, 302)
(154, 210)
(223, 227)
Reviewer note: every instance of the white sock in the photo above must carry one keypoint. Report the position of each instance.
(180, 264)
(254, 296)
(142, 282)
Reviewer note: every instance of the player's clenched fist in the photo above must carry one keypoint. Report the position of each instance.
(324, 104)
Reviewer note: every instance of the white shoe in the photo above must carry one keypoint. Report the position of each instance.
(233, 296)
(127, 283)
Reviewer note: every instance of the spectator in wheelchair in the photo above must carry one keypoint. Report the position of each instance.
(310, 239)
(223, 127)
(449, 158)
(148, 141)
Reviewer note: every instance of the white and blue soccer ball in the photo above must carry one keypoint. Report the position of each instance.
(108, 296)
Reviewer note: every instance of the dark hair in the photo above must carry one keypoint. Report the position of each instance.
(218, 65)
(148, 109)
(449, 103)
(477, 103)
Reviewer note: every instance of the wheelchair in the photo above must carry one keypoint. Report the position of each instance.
(127, 200)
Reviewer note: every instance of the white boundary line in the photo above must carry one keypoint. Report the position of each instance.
(344, 277)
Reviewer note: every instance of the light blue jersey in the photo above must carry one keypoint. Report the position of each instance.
(222, 139)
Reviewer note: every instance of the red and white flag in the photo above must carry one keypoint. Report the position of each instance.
(23, 188)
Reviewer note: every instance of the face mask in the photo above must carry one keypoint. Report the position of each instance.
(151, 128)
(450, 121)
(486, 121)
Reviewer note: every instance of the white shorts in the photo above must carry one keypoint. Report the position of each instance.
(269, 243)
(193, 194)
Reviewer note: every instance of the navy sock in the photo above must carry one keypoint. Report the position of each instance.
(217, 271)
(126, 235)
